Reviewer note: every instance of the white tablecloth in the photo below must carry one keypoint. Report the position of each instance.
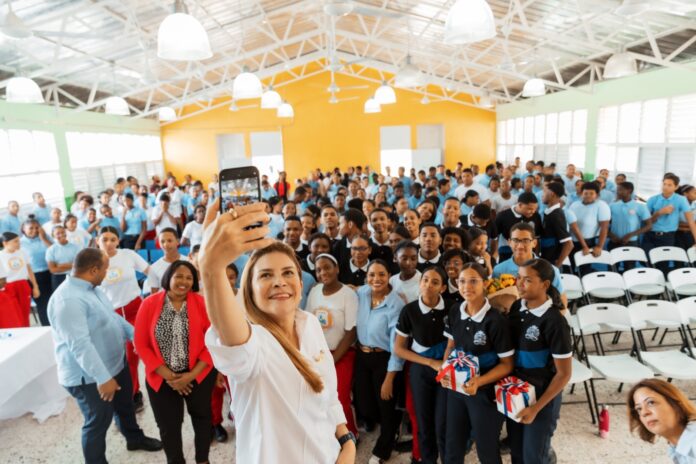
(29, 381)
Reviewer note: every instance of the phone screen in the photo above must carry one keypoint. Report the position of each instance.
(241, 191)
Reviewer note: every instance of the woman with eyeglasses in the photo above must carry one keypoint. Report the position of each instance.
(477, 329)
(657, 408)
(353, 272)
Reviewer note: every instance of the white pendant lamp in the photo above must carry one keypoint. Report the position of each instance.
(271, 99)
(469, 21)
(385, 95)
(620, 65)
(23, 90)
(285, 110)
(246, 85)
(534, 88)
(12, 26)
(372, 106)
(409, 76)
(633, 7)
(181, 37)
(166, 114)
(116, 106)
(486, 101)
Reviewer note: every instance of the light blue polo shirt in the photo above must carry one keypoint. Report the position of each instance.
(111, 222)
(692, 208)
(589, 217)
(570, 183)
(10, 223)
(43, 215)
(62, 254)
(36, 249)
(607, 196)
(627, 217)
(668, 222)
(509, 266)
(134, 218)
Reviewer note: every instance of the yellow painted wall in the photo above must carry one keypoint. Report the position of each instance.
(325, 135)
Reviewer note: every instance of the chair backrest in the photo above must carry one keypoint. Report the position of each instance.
(572, 283)
(643, 276)
(659, 313)
(687, 306)
(150, 244)
(669, 253)
(628, 253)
(144, 254)
(691, 253)
(680, 277)
(596, 280)
(608, 314)
(582, 260)
(184, 251)
(155, 255)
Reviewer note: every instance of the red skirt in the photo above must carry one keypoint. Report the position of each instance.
(21, 293)
(9, 311)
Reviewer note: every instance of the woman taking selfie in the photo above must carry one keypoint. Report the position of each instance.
(284, 387)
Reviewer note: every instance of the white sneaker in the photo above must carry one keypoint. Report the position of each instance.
(374, 460)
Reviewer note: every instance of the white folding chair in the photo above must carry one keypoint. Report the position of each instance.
(673, 364)
(627, 254)
(645, 281)
(691, 253)
(683, 281)
(583, 374)
(687, 308)
(669, 253)
(583, 260)
(605, 285)
(573, 287)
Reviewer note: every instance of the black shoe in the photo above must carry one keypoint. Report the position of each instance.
(219, 433)
(403, 446)
(138, 402)
(148, 444)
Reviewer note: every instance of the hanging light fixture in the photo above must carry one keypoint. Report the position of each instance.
(385, 95)
(633, 7)
(408, 76)
(486, 101)
(271, 99)
(23, 90)
(181, 37)
(620, 65)
(534, 87)
(116, 106)
(469, 21)
(166, 114)
(246, 85)
(372, 106)
(285, 110)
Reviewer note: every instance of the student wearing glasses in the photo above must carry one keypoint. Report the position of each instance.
(354, 271)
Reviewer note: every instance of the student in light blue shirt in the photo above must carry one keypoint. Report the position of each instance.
(629, 219)
(593, 220)
(41, 211)
(108, 220)
(416, 196)
(60, 256)
(405, 180)
(133, 223)
(606, 195)
(267, 191)
(34, 243)
(485, 178)
(570, 178)
(90, 340)
(376, 365)
(666, 208)
(11, 222)
(684, 238)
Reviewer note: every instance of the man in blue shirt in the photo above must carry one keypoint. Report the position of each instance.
(133, 224)
(666, 209)
(629, 219)
(570, 178)
(593, 220)
(90, 354)
(41, 211)
(11, 221)
(405, 180)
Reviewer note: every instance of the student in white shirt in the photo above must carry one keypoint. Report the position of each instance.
(76, 235)
(265, 343)
(169, 242)
(406, 283)
(121, 287)
(163, 216)
(657, 408)
(193, 232)
(336, 306)
(21, 282)
(55, 220)
(504, 199)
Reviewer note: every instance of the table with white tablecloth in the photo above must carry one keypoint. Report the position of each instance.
(29, 380)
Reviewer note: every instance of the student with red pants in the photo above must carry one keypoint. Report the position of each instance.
(21, 283)
(9, 310)
(121, 286)
(336, 307)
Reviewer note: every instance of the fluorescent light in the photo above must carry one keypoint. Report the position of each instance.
(469, 21)
(116, 106)
(385, 94)
(23, 90)
(620, 65)
(271, 99)
(246, 85)
(181, 37)
(166, 113)
(534, 88)
(372, 106)
(408, 76)
(285, 110)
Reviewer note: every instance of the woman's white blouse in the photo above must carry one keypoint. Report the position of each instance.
(279, 418)
(685, 451)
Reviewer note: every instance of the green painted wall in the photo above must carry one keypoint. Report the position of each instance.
(59, 121)
(659, 83)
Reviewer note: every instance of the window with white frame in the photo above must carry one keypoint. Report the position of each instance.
(553, 138)
(29, 163)
(646, 139)
(98, 159)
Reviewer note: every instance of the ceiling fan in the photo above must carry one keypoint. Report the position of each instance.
(333, 88)
(13, 26)
(346, 7)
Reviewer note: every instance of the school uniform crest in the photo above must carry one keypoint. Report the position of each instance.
(480, 338)
(532, 333)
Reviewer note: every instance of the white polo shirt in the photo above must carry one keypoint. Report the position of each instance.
(166, 219)
(194, 232)
(120, 283)
(157, 270)
(15, 265)
(407, 289)
(336, 313)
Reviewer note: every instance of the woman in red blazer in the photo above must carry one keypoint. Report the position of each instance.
(169, 337)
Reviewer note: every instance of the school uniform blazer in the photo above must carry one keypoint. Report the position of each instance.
(146, 343)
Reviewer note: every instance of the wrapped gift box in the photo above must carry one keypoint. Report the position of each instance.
(512, 395)
(460, 367)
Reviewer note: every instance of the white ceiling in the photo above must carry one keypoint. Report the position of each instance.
(91, 49)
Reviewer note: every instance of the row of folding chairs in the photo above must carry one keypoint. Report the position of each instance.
(152, 255)
(668, 256)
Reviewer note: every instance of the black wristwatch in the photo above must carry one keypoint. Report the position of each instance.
(344, 438)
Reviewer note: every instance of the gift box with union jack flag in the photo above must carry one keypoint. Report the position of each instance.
(512, 395)
(460, 367)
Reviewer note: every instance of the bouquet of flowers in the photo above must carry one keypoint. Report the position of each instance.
(460, 367)
(512, 395)
(502, 291)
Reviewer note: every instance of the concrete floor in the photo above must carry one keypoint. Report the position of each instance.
(57, 441)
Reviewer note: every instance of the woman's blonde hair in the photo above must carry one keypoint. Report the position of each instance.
(259, 316)
(685, 409)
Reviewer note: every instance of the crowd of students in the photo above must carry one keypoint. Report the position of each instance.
(395, 269)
